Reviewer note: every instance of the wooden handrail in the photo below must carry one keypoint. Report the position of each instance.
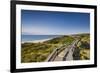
(56, 51)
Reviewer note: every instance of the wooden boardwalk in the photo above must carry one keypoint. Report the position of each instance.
(63, 53)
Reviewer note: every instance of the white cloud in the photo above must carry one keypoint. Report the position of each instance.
(35, 30)
(43, 30)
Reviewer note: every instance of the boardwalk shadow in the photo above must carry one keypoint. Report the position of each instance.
(76, 54)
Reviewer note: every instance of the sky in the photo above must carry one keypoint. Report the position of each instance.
(54, 23)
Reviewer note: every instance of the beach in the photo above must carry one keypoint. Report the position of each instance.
(37, 41)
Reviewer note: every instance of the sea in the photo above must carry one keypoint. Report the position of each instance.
(25, 38)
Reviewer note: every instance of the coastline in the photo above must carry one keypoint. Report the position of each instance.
(37, 41)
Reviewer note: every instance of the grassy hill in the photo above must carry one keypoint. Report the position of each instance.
(84, 47)
(38, 52)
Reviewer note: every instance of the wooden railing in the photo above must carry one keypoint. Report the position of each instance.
(70, 48)
(56, 51)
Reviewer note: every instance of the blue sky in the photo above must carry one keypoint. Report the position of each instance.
(54, 23)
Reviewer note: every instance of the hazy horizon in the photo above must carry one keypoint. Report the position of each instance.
(57, 34)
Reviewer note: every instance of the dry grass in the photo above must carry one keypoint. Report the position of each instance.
(85, 54)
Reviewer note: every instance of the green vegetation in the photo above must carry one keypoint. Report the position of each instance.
(38, 52)
(83, 47)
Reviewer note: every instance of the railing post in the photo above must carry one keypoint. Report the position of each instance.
(57, 51)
